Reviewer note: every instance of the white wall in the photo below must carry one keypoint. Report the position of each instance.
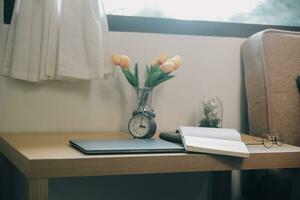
(211, 67)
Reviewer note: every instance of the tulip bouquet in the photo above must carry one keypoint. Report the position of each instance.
(158, 72)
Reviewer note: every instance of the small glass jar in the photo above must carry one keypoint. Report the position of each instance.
(212, 109)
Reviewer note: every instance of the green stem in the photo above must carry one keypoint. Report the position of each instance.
(144, 97)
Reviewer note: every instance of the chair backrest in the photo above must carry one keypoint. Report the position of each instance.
(272, 66)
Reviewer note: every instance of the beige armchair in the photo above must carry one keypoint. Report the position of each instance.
(272, 64)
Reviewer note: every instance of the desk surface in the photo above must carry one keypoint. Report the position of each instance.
(49, 155)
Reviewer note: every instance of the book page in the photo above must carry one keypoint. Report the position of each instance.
(216, 146)
(217, 133)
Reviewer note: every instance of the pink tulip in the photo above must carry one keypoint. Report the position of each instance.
(124, 61)
(167, 67)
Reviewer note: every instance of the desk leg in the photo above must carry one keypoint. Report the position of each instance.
(37, 189)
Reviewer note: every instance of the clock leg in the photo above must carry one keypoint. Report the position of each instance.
(37, 189)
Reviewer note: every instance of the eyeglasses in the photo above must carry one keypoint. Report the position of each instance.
(269, 140)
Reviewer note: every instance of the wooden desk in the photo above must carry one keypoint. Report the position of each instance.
(43, 156)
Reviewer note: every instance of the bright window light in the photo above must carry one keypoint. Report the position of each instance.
(272, 12)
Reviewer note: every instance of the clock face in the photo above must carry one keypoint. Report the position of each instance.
(142, 126)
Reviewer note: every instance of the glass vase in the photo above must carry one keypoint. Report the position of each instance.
(143, 99)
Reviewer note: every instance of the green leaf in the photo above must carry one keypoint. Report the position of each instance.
(136, 74)
(147, 71)
(130, 77)
(127, 75)
(150, 73)
(168, 77)
(155, 77)
(156, 68)
(133, 79)
(151, 70)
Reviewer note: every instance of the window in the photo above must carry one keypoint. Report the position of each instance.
(232, 18)
(267, 12)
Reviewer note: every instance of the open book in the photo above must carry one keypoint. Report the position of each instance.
(213, 140)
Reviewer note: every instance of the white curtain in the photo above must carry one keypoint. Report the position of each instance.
(56, 39)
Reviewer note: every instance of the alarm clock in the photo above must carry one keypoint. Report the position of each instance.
(142, 124)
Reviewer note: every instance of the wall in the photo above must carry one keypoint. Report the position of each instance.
(211, 67)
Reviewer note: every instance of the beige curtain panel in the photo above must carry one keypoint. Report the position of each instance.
(56, 40)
